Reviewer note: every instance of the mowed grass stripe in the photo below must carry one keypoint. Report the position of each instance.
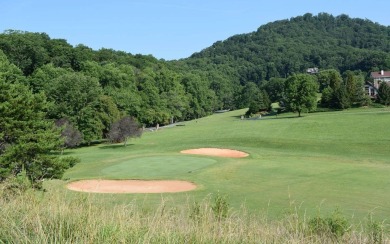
(157, 167)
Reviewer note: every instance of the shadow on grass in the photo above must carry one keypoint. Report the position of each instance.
(66, 153)
(92, 143)
(282, 117)
(268, 117)
(116, 146)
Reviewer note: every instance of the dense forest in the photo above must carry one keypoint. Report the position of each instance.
(281, 48)
(87, 91)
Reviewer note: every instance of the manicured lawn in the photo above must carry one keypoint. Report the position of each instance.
(321, 161)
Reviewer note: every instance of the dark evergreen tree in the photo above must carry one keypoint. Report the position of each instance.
(27, 138)
(384, 93)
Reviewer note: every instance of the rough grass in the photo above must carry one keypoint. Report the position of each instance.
(52, 217)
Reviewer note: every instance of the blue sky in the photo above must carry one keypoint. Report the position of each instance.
(167, 29)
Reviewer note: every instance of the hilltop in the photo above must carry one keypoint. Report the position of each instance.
(288, 46)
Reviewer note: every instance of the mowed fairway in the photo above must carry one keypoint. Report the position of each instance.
(320, 161)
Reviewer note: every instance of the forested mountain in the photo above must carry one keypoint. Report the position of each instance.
(283, 47)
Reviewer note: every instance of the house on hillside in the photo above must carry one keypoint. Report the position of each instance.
(312, 71)
(381, 76)
(371, 91)
(371, 87)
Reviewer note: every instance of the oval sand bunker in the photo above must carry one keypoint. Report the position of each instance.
(131, 186)
(219, 152)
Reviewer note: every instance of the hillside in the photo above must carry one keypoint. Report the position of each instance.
(288, 46)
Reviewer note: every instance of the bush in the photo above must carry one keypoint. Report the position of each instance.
(195, 213)
(69, 162)
(336, 225)
(14, 186)
(220, 207)
(318, 225)
(375, 230)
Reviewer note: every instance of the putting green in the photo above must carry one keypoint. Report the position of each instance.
(157, 167)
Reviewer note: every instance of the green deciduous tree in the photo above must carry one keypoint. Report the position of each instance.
(329, 78)
(154, 109)
(202, 100)
(25, 49)
(223, 89)
(249, 93)
(41, 79)
(261, 103)
(301, 93)
(79, 98)
(274, 88)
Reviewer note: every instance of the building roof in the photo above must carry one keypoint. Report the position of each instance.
(378, 74)
(312, 70)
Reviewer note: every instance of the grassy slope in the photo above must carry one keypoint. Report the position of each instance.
(323, 160)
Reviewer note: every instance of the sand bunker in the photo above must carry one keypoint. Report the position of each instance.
(219, 152)
(131, 186)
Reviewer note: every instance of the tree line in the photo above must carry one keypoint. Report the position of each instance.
(55, 95)
(92, 89)
(327, 89)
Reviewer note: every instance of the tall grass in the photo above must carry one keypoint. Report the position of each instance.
(51, 217)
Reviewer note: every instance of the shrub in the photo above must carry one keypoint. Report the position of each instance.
(70, 161)
(336, 225)
(14, 186)
(195, 213)
(220, 207)
(375, 230)
(318, 225)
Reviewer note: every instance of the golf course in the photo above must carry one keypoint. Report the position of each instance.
(317, 163)
(259, 124)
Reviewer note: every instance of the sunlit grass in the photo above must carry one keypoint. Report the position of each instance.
(333, 159)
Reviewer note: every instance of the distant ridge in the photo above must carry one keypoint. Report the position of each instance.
(283, 47)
